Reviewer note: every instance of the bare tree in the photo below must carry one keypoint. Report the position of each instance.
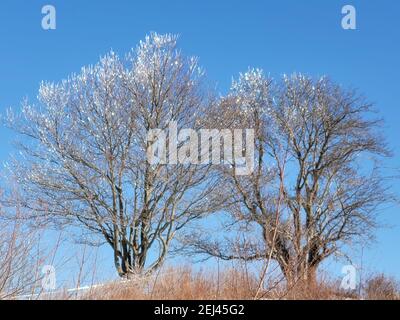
(84, 150)
(316, 184)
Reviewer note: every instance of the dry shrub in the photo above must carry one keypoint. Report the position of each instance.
(382, 287)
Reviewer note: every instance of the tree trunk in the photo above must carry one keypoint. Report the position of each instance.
(311, 277)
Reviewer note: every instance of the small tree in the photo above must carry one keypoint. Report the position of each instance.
(20, 256)
(316, 184)
(84, 152)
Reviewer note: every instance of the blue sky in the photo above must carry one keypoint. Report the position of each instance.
(282, 36)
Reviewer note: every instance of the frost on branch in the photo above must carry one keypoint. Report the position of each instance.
(83, 152)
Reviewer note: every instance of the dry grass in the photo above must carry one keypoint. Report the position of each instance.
(181, 284)
(233, 284)
(184, 283)
(323, 290)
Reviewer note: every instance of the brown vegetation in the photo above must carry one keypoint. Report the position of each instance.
(382, 287)
(231, 284)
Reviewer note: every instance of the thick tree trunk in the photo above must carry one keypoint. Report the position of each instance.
(311, 277)
(301, 275)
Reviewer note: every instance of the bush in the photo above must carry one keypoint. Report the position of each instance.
(382, 287)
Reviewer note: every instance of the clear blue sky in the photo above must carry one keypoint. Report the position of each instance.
(279, 36)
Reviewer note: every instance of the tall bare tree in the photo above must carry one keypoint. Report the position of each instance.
(84, 152)
(316, 184)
